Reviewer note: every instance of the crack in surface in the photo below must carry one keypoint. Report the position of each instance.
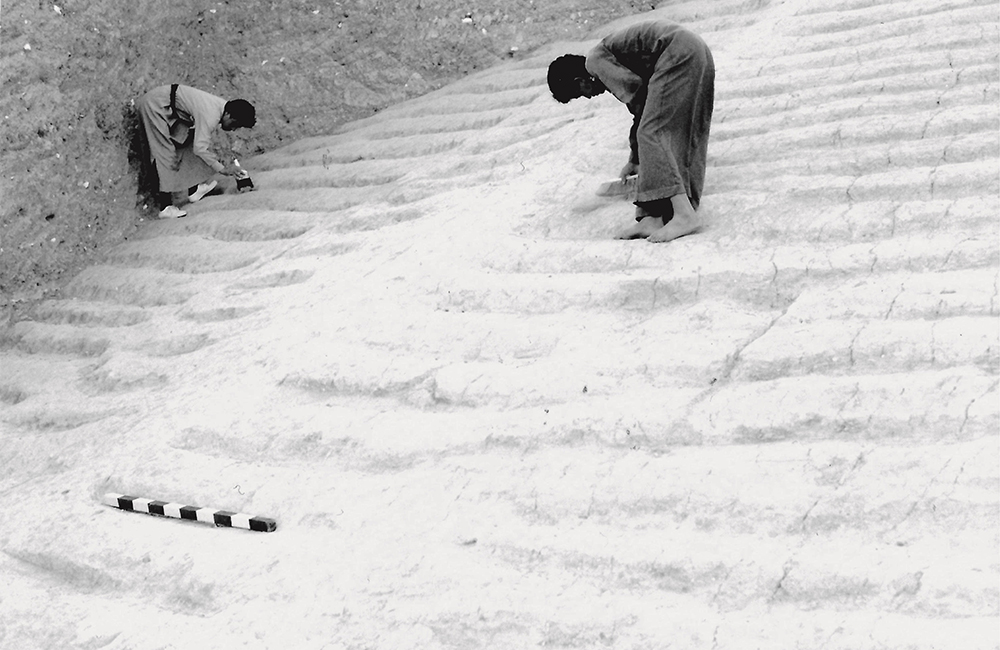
(951, 252)
(854, 340)
(996, 293)
(922, 496)
(892, 305)
(858, 462)
(786, 569)
(968, 407)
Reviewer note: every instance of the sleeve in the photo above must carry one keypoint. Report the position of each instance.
(206, 111)
(202, 141)
(622, 82)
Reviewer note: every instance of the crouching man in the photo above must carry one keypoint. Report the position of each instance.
(179, 122)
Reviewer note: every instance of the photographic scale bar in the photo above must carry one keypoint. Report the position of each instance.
(221, 518)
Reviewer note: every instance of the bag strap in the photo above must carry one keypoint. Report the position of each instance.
(173, 101)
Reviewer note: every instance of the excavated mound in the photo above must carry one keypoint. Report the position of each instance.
(480, 421)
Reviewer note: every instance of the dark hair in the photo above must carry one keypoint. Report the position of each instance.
(563, 73)
(242, 111)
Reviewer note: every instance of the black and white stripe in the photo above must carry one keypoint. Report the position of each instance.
(222, 518)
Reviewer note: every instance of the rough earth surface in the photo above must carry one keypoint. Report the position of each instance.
(480, 421)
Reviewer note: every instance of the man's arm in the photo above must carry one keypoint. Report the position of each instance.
(627, 86)
(206, 111)
(622, 82)
(202, 143)
(635, 107)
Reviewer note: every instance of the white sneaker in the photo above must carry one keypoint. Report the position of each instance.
(172, 212)
(201, 191)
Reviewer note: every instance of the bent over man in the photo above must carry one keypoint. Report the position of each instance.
(179, 122)
(665, 75)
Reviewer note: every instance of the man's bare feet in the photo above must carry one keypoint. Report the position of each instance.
(680, 225)
(642, 229)
(685, 221)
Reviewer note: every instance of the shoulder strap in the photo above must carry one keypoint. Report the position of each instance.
(173, 101)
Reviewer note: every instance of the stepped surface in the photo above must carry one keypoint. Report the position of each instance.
(480, 421)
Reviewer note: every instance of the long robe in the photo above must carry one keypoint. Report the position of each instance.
(665, 75)
(179, 142)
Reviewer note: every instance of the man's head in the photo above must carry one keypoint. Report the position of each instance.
(238, 114)
(568, 79)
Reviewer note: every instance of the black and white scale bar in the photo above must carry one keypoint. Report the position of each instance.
(222, 518)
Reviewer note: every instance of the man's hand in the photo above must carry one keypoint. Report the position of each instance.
(231, 170)
(630, 169)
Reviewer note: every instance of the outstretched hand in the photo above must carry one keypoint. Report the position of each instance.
(630, 169)
(231, 170)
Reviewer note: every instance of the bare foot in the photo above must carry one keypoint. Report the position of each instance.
(680, 225)
(685, 221)
(641, 229)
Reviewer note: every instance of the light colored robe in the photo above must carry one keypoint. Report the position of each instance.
(179, 145)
